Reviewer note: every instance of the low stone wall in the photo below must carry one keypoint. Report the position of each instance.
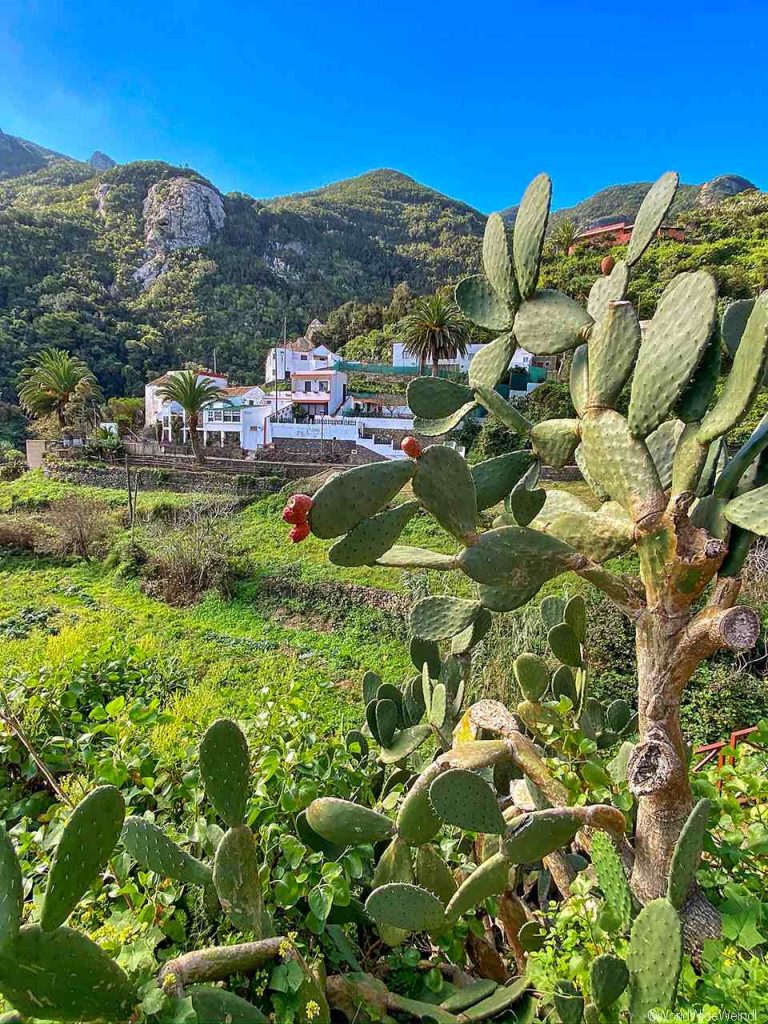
(181, 481)
(297, 449)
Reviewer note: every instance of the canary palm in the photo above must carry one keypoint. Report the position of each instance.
(435, 330)
(52, 379)
(563, 236)
(192, 392)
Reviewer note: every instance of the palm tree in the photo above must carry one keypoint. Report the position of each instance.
(435, 330)
(50, 382)
(563, 235)
(191, 391)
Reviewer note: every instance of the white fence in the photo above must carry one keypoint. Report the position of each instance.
(336, 431)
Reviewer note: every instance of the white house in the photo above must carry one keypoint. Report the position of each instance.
(157, 408)
(402, 357)
(307, 370)
(242, 417)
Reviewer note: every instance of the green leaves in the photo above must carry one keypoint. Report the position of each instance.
(356, 494)
(11, 892)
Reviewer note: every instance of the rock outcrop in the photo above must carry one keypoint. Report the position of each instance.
(101, 162)
(179, 213)
(723, 187)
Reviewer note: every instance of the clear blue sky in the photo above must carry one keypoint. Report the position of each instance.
(270, 97)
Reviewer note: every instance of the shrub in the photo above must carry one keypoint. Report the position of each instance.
(81, 527)
(19, 533)
(12, 463)
(194, 556)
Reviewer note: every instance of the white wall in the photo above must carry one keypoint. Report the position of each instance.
(401, 357)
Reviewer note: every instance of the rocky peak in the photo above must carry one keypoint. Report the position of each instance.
(179, 213)
(723, 187)
(101, 162)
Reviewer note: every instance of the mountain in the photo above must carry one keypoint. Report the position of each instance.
(143, 266)
(19, 156)
(621, 202)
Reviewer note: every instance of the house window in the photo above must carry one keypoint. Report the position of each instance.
(231, 416)
(304, 358)
(214, 415)
(307, 385)
(324, 386)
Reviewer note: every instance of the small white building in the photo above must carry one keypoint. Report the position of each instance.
(305, 371)
(157, 408)
(241, 417)
(300, 356)
(402, 357)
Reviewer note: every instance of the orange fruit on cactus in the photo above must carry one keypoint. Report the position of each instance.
(299, 532)
(411, 447)
(297, 509)
(607, 264)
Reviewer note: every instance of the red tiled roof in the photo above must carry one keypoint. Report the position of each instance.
(239, 391)
(312, 373)
(204, 373)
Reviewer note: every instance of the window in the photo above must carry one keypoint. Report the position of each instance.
(231, 415)
(324, 386)
(307, 385)
(304, 358)
(214, 415)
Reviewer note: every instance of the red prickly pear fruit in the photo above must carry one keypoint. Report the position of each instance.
(411, 447)
(299, 532)
(297, 509)
(607, 264)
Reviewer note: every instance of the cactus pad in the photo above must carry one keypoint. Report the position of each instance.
(488, 879)
(564, 684)
(465, 799)
(216, 1004)
(651, 214)
(532, 675)
(404, 743)
(495, 478)
(515, 556)
(618, 715)
(501, 410)
(371, 684)
(621, 464)
(698, 395)
(432, 398)
(11, 892)
(750, 511)
(480, 303)
(569, 1002)
(438, 706)
(402, 556)
(612, 879)
(422, 651)
(530, 228)
(490, 364)
(473, 634)
(662, 445)
(497, 260)
(225, 770)
(438, 618)
(540, 833)
(434, 428)
(552, 610)
(502, 999)
(62, 976)
(733, 323)
(578, 380)
(654, 959)
(387, 715)
(551, 322)
(575, 615)
(433, 874)
(346, 823)
(565, 645)
(86, 844)
(672, 348)
(373, 537)
(555, 441)
(237, 882)
(468, 996)
(410, 907)
(608, 978)
(394, 865)
(150, 846)
(417, 822)
(357, 494)
(507, 598)
(531, 936)
(613, 348)
(685, 859)
(745, 378)
(445, 487)
(606, 289)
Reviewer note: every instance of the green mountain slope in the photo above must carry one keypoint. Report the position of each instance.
(145, 265)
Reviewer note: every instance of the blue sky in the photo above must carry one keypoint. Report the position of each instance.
(472, 99)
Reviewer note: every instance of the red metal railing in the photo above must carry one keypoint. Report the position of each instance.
(710, 751)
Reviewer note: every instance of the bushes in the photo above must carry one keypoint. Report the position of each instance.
(12, 463)
(194, 556)
(80, 527)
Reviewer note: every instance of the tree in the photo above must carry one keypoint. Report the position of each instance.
(192, 392)
(563, 236)
(669, 492)
(52, 380)
(435, 330)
